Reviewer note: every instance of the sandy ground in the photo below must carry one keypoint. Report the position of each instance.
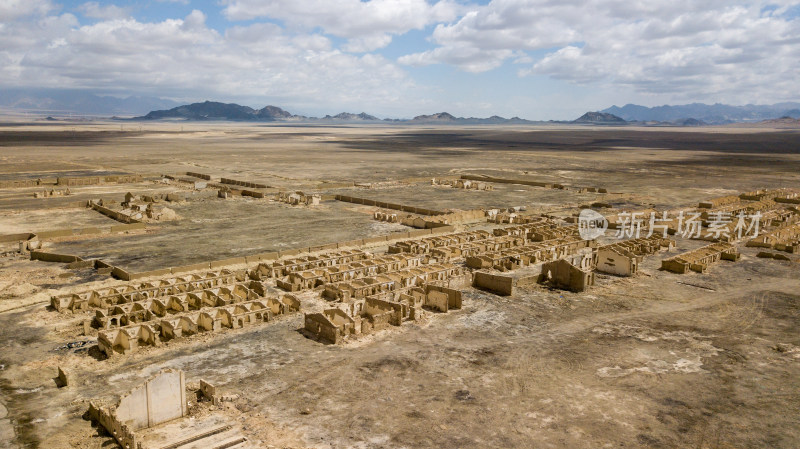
(14, 222)
(658, 360)
(215, 229)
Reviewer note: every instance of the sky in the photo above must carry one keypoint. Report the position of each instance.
(535, 59)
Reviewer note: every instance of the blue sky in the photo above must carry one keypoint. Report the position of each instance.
(536, 59)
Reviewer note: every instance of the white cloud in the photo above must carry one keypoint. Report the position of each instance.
(97, 11)
(741, 51)
(14, 9)
(367, 43)
(185, 57)
(485, 37)
(720, 50)
(468, 58)
(368, 24)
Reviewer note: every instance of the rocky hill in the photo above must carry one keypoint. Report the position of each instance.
(349, 117)
(438, 117)
(600, 118)
(212, 110)
(273, 113)
(689, 122)
(781, 123)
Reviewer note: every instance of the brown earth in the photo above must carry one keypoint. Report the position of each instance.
(658, 360)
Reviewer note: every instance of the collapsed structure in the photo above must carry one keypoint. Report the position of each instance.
(52, 193)
(623, 258)
(784, 238)
(429, 222)
(160, 399)
(134, 418)
(462, 184)
(298, 198)
(558, 256)
(700, 259)
(369, 265)
(511, 215)
(185, 317)
(575, 273)
(377, 312)
(149, 313)
(146, 208)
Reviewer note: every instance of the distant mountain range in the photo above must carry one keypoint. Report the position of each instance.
(446, 118)
(68, 101)
(711, 114)
(211, 110)
(60, 103)
(687, 115)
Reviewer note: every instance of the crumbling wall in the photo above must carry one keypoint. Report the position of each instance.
(385, 205)
(63, 378)
(527, 182)
(374, 307)
(322, 328)
(114, 215)
(563, 274)
(500, 284)
(253, 194)
(54, 257)
(122, 433)
(58, 233)
(613, 261)
(434, 221)
(22, 183)
(78, 181)
(523, 182)
(25, 236)
(199, 175)
(160, 399)
(437, 301)
(719, 201)
(461, 184)
(96, 180)
(235, 182)
(453, 295)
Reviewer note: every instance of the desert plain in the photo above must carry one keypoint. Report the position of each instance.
(654, 360)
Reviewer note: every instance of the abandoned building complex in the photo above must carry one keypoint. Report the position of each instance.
(418, 273)
(387, 277)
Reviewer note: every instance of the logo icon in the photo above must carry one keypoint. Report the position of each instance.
(591, 224)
